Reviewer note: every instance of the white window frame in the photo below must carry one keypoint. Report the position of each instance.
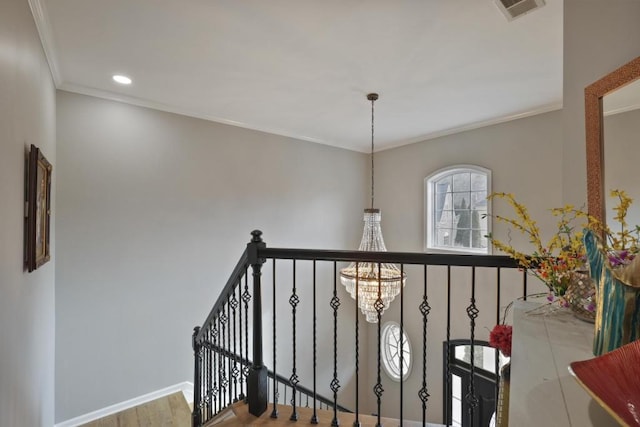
(429, 206)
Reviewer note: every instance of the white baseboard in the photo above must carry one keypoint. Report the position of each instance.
(186, 388)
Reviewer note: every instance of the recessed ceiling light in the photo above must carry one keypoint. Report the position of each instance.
(123, 80)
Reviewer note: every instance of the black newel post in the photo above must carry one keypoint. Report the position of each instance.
(196, 415)
(257, 384)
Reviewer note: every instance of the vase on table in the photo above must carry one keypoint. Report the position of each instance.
(618, 298)
(581, 296)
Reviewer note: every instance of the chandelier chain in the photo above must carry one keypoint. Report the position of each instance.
(373, 100)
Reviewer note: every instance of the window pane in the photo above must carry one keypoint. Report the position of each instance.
(456, 411)
(444, 237)
(456, 386)
(478, 240)
(444, 183)
(463, 352)
(479, 200)
(478, 181)
(461, 200)
(489, 359)
(462, 182)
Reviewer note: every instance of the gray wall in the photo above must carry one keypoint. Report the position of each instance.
(599, 36)
(154, 211)
(523, 156)
(27, 321)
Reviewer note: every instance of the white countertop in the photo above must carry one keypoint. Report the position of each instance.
(543, 392)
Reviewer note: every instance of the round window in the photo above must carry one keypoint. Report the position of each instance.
(395, 342)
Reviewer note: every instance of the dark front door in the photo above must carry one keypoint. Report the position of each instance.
(458, 384)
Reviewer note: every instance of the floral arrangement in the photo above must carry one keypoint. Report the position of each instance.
(500, 338)
(552, 261)
(621, 245)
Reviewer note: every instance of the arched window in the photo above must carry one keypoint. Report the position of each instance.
(395, 341)
(456, 206)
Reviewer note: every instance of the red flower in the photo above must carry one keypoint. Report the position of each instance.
(500, 338)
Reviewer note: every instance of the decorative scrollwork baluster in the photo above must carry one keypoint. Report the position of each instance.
(425, 309)
(221, 366)
(335, 384)
(235, 371)
(472, 313)
(294, 380)
(246, 297)
(239, 357)
(377, 389)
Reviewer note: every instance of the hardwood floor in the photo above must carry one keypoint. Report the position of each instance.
(240, 417)
(168, 411)
(173, 411)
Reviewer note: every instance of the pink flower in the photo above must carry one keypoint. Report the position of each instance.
(500, 338)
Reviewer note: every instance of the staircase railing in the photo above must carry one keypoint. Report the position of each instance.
(224, 373)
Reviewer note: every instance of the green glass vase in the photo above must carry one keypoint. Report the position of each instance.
(618, 298)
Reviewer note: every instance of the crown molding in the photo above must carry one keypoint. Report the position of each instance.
(621, 110)
(140, 102)
(41, 18)
(112, 96)
(477, 125)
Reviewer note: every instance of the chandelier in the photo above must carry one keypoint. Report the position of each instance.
(368, 282)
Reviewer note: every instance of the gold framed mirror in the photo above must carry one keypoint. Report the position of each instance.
(594, 123)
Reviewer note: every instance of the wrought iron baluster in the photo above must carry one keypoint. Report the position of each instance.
(208, 353)
(498, 321)
(242, 373)
(447, 382)
(229, 369)
(335, 384)
(356, 422)
(216, 359)
(472, 313)
(401, 345)
(377, 389)
(425, 308)
(314, 416)
(294, 380)
(221, 367)
(235, 371)
(274, 412)
(246, 297)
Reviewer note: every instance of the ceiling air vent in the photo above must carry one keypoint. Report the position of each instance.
(515, 8)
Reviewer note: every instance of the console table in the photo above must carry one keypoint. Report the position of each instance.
(543, 392)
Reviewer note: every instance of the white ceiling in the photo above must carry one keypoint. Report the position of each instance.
(302, 68)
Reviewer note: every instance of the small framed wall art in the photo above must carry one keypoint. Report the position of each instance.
(38, 209)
